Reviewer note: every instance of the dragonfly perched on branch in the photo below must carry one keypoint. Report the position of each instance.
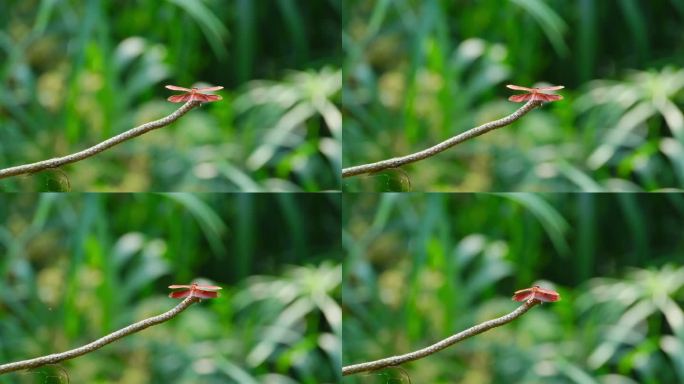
(195, 290)
(537, 293)
(535, 93)
(194, 94)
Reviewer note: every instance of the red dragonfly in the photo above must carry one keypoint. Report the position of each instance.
(535, 93)
(194, 94)
(195, 290)
(541, 294)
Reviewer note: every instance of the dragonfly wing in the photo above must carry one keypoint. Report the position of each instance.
(179, 98)
(519, 88)
(200, 97)
(177, 88)
(209, 89)
(522, 295)
(521, 98)
(209, 288)
(547, 97)
(554, 88)
(179, 294)
(210, 98)
(206, 98)
(546, 295)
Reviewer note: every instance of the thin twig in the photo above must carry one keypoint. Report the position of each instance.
(95, 149)
(99, 343)
(396, 162)
(400, 359)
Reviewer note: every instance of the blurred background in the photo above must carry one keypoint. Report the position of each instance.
(420, 268)
(419, 72)
(75, 73)
(76, 267)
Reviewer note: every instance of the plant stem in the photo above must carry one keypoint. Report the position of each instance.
(444, 343)
(396, 162)
(99, 343)
(94, 150)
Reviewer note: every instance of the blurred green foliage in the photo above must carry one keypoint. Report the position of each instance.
(75, 73)
(418, 72)
(422, 267)
(75, 267)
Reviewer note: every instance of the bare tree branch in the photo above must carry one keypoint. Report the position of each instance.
(396, 162)
(453, 339)
(101, 342)
(94, 150)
